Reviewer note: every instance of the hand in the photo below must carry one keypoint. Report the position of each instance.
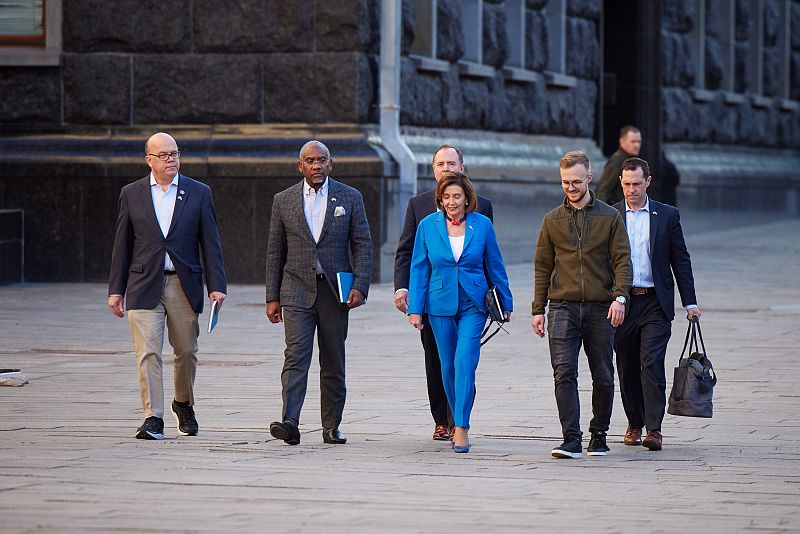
(274, 311)
(616, 312)
(507, 316)
(401, 300)
(116, 304)
(355, 298)
(538, 325)
(416, 321)
(691, 313)
(219, 296)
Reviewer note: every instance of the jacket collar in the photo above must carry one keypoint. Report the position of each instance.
(590, 204)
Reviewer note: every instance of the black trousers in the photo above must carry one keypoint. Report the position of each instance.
(329, 319)
(440, 410)
(641, 346)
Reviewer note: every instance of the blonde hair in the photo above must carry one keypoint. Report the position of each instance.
(575, 157)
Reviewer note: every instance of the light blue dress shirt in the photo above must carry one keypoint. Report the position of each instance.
(164, 204)
(638, 226)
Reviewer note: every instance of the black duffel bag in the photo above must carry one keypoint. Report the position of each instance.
(694, 379)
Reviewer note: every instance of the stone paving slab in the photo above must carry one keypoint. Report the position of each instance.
(68, 462)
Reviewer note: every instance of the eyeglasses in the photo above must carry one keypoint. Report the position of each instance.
(575, 183)
(164, 156)
(322, 160)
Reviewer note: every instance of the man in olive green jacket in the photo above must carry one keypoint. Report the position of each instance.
(583, 267)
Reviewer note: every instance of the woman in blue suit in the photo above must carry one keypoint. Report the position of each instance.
(448, 282)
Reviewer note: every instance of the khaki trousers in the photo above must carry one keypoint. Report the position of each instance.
(147, 332)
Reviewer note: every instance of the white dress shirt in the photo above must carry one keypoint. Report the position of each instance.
(315, 204)
(638, 225)
(164, 204)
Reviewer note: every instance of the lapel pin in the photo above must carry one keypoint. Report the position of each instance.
(183, 192)
(333, 199)
(655, 213)
(180, 198)
(471, 228)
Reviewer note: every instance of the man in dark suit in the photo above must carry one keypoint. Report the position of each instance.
(316, 227)
(658, 252)
(165, 221)
(446, 159)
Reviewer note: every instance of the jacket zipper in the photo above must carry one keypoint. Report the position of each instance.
(580, 251)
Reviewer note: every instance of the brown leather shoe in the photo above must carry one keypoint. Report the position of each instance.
(653, 440)
(441, 433)
(633, 436)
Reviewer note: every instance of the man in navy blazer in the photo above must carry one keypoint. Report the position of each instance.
(166, 224)
(658, 251)
(446, 159)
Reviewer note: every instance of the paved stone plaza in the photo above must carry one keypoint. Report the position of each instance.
(69, 463)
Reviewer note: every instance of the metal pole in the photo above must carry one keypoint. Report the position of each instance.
(391, 18)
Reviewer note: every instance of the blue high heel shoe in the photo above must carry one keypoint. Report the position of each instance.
(459, 448)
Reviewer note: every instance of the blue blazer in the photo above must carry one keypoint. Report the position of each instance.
(435, 274)
(137, 261)
(668, 256)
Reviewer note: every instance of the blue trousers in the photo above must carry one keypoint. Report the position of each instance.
(458, 338)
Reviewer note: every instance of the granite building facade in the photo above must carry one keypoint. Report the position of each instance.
(241, 84)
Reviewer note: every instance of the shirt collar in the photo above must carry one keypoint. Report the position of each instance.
(174, 179)
(646, 206)
(322, 190)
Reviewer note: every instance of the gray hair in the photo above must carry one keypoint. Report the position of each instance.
(314, 142)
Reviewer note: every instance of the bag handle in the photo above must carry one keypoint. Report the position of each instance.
(488, 326)
(694, 332)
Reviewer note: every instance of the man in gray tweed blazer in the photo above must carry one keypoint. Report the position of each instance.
(316, 227)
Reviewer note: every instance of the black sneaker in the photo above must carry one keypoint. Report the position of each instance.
(184, 413)
(152, 428)
(597, 445)
(571, 448)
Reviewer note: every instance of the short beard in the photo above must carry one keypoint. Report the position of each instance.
(319, 180)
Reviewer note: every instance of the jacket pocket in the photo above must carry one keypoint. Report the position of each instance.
(435, 285)
(136, 268)
(196, 269)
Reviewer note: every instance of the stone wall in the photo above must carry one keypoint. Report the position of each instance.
(714, 118)
(203, 61)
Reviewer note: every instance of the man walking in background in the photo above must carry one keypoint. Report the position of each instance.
(630, 143)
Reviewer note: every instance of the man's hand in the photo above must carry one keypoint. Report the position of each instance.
(355, 298)
(416, 321)
(538, 325)
(691, 313)
(507, 315)
(616, 312)
(274, 311)
(116, 303)
(219, 296)
(401, 300)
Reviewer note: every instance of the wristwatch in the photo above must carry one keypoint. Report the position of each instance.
(620, 299)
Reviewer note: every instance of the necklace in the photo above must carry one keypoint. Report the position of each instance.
(455, 222)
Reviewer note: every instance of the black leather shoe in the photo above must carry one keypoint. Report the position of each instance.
(285, 431)
(332, 435)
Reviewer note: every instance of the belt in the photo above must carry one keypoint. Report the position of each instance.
(170, 272)
(641, 290)
(320, 276)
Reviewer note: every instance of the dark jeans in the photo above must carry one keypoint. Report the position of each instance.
(570, 324)
(641, 346)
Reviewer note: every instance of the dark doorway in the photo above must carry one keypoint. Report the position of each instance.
(632, 76)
